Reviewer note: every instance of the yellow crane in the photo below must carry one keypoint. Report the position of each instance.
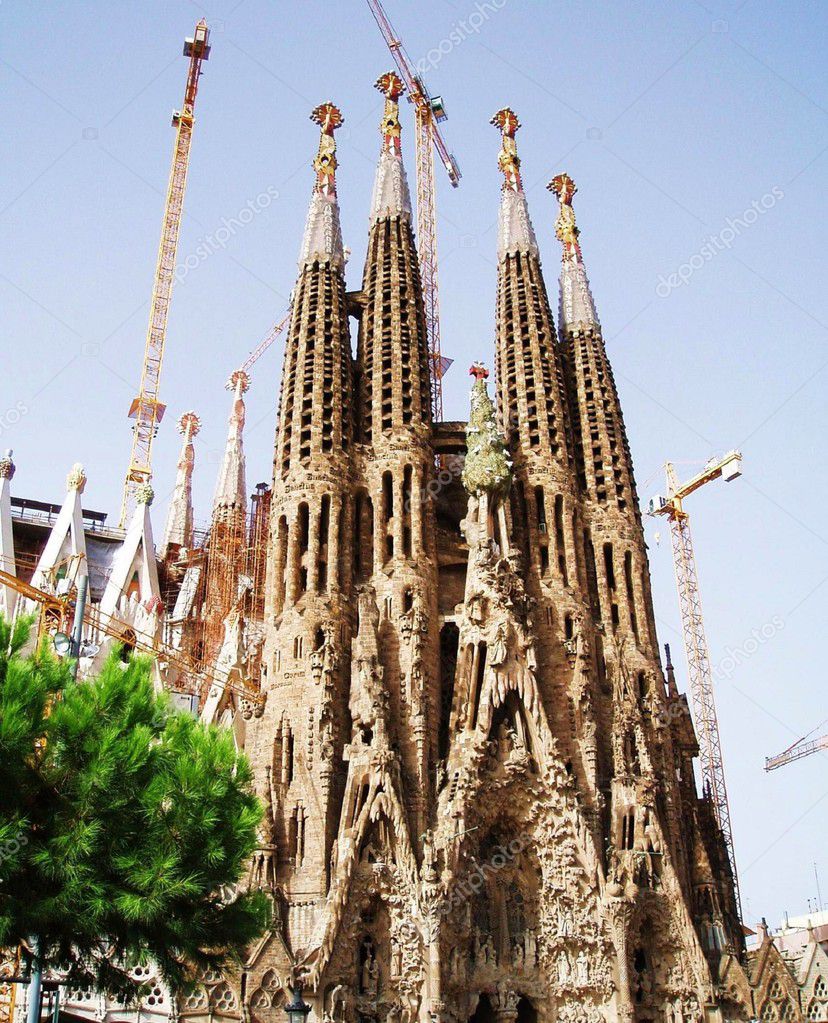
(146, 409)
(729, 467)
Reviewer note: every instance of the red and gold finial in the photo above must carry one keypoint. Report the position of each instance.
(565, 227)
(392, 87)
(239, 382)
(507, 122)
(329, 118)
(189, 424)
(478, 371)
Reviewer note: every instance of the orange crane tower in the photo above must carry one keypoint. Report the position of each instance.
(695, 642)
(146, 409)
(428, 113)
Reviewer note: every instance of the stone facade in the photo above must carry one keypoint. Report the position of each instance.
(478, 784)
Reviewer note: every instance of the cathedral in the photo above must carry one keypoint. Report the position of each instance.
(436, 643)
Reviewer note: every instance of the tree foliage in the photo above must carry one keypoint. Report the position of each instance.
(124, 824)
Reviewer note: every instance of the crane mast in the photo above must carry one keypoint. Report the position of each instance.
(695, 640)
(428, 112)
(146, 409)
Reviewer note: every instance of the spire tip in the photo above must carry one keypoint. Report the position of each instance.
(506, 120)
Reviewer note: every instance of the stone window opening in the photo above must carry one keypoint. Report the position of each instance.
(449, 645)
(478, 669)
(592, 574)
(322, 558)
(407, 498)
(559, 538)
(628, 579)
(388, 512)
(296, 834)
(609, 566)
(628, 830)
(364, 546)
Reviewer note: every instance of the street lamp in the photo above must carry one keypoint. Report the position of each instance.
(297, 1010)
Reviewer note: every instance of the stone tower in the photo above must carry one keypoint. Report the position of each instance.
(478, 784)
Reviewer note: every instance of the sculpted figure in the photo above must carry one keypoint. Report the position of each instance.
(500, 650)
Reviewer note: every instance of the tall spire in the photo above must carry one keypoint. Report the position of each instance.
(391, 196)
(515, 233)
(577, 305)
(322, 241)
(178, 532)
(315, 409)
(231, 486)
(392, 356)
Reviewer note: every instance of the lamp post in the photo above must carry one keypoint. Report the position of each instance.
(297, 1010)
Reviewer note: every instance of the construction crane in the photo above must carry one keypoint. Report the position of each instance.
(796, 751)
(265, 343)
(695, 642)
(56, 615)
(429, 112)
(146, 409)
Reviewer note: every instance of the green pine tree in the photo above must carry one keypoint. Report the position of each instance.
(124, 825)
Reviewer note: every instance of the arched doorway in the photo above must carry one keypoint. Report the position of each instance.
(484, 1013)
(526, 1012)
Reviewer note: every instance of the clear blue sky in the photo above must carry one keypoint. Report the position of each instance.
(673, 118)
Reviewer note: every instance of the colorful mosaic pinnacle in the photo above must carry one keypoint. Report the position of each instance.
(508, 160)
(329, 118)
(392, 87)
(565, 227)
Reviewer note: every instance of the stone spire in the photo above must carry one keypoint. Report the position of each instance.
(391, 197)
(66, 545)
(315, 411)
(228, 525)
(576, 302)
(531, 394)
(132, 590)
(322, 241)
(8, 596)
(515, 231)
(179, 529)
(614, 539)
(393, 348)
(231, 486)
